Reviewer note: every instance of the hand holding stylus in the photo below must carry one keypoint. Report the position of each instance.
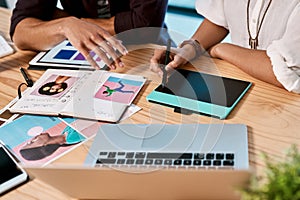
(172, 58)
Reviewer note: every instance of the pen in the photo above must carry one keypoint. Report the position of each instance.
(27, 79)
(164, 78)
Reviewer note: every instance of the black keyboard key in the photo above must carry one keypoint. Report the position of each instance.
(207, 162)
(186, 156)
(121, 161)
(158, 162)
(168, 162)
(103, 153)
(106, 161)
(220, 156)
(197, 162)
(228, 163)
(121, 153)
(140, 155)
(111, 155)
(149, 162)
(139, 161)
(217, 163)
(177, 162)
(199, 156)
(229, 156)
(129, 155)
(210, 156)
(130, 161)
(170, 155)
(187, 162)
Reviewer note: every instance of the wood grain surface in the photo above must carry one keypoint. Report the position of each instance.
(271, 114)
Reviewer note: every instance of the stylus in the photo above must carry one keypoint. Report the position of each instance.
(164, 78)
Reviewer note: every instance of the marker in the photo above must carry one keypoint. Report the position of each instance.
(29, 82)
(164, 78)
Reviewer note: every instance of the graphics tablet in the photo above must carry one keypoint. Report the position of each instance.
(201, 93)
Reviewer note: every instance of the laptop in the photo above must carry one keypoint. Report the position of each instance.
(189, 161)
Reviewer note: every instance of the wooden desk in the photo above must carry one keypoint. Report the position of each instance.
(271, 114)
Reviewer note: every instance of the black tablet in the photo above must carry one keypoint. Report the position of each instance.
(199, 92)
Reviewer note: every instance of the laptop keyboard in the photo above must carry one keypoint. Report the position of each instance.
(169, 160)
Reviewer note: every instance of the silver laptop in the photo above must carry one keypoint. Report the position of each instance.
(179, 157)
(206, 146)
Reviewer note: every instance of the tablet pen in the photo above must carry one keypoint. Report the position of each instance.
(29, 82)
(164, 78)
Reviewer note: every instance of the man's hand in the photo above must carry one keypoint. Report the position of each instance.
(87, 37)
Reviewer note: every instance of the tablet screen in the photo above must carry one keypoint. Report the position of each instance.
(204, 87)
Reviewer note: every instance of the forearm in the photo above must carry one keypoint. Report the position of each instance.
(209, 34)
(35, 34)
(107, 24)
(39, 35)
(254, 62)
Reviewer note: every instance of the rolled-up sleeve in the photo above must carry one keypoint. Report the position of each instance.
(150, 13)
(213, 10)
(40, 9)
(285, 54)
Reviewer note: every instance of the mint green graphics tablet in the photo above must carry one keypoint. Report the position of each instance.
(190, 91)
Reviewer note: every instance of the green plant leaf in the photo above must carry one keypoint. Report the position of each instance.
(281, 181)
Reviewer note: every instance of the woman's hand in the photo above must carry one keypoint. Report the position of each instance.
(178, 57)
(87, 37)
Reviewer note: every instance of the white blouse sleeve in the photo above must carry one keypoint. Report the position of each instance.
(213, 10)
(285, 54)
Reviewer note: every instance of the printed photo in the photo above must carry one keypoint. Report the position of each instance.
(39, 139)
(65, 53)
(119, 90)
(55, 86)
(88, 128)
